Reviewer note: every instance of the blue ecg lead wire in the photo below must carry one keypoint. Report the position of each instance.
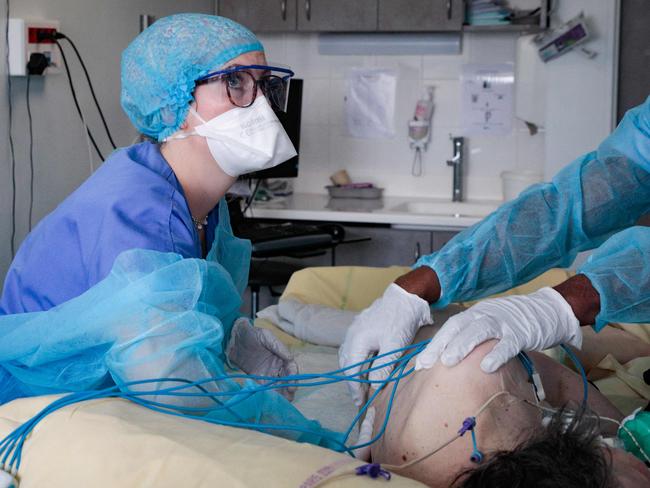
(11, 446)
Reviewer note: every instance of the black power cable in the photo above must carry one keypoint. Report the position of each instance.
(249, 202)
(92, 89)
(76, 102)
(11, 141)
(31, 152)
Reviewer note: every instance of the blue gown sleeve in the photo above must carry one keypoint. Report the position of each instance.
(591, 199)
(620, 272)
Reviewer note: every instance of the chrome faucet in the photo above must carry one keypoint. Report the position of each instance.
(457, 163)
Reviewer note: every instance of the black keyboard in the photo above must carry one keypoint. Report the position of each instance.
(261, 232)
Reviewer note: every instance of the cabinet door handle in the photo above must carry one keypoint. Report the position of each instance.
(283, 7)
(308, 9)
(448, 9)
(418, 251)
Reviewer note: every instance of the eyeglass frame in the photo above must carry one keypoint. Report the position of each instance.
(208, 78)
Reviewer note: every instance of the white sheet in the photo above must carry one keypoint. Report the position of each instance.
(331, 405)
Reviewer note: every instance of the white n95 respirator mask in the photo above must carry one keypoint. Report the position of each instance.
(244, 140)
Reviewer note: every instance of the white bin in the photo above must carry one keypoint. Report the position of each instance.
(514, 182)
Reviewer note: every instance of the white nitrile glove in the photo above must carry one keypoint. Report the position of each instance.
(391, 322)
(521, 323)
(257, 351)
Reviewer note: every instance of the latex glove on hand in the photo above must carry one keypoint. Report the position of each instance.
(391, 322)
(257, 351)
(521, 323)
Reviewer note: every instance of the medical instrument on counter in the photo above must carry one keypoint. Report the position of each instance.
(420, 130)
(563, 39)
(11, 446)
(344, 187)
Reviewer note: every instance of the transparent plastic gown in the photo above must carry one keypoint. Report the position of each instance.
(156, 315)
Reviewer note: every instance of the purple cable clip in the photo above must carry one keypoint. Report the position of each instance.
(468, 424)
(373, 470)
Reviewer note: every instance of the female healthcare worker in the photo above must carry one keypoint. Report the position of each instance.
(594, 202)
(186, 75)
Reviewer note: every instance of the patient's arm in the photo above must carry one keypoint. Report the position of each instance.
(617, 342)
(563, 387)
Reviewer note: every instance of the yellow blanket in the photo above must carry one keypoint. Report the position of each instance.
(115, 443)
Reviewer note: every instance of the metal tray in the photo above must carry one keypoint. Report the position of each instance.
(364, 193)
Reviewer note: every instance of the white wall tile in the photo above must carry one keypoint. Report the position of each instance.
(446, 100)
(531, 152)
(489, 155)
(490, 48)
(336, 101)
(444, 67)
(484, 188)
(312, 180)
(408, 66)
(302, 55)
(316, 101)
(340, 65)
(275, 47)
(314, 146)
(364, 155)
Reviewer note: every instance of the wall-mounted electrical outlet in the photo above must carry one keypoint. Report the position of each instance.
(25, 38)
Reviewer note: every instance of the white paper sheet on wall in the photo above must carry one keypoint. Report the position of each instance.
(487, 103)
(370, 102)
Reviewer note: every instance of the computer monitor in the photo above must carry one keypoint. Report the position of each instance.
(291, 122)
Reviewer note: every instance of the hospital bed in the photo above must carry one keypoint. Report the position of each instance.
(113, 442)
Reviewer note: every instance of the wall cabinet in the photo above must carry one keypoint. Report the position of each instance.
(261, 15)
(418, 15)
(337, 15)
(345, 15)
(364, 16)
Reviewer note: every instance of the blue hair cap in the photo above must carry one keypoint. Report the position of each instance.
(161, 65)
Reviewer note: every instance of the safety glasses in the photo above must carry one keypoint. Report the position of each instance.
(241, 84)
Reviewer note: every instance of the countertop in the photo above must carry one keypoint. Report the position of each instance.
(399, 212)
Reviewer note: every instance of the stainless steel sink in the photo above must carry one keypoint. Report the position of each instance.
(443, 208)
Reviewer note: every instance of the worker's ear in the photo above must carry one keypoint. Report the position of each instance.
(186, 123)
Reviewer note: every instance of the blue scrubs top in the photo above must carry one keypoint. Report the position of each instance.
(133, 201)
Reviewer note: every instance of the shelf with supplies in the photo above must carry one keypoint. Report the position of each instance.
(529, 21)
(514, 28)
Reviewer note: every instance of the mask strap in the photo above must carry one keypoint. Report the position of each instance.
(196, 114)
(186, 134)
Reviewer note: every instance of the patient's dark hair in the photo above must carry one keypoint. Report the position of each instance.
(559, 455)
